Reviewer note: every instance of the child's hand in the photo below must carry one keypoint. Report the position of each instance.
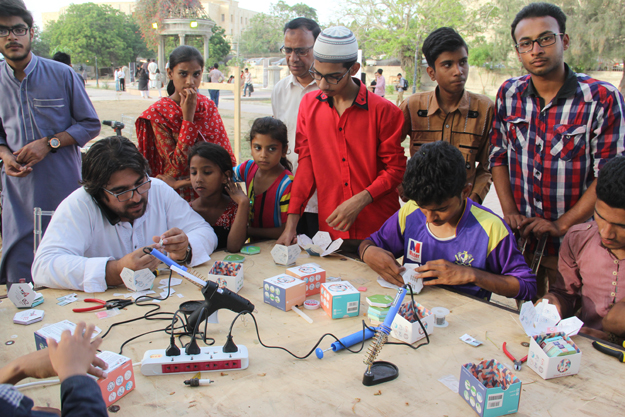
(74, 354)
(236, 193)
(188, 102)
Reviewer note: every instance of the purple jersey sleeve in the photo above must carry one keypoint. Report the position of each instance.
(506, 259)
(390, 236)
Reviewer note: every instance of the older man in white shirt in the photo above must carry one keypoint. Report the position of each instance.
(299, 38)
(104, 226)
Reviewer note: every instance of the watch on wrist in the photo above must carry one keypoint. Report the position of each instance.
(54, 143)
(187, 256)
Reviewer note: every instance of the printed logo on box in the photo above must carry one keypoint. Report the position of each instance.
(414, 250)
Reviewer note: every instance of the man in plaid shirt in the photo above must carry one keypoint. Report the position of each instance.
(553, 130)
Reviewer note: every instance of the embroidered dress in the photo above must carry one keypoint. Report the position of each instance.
(165, 139)
(224, 223)
(270, 208)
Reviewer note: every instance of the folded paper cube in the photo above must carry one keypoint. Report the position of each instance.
(140, 280)
(285, 255)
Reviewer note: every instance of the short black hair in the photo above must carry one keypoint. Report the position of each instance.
(216, 65)
(106, 157)
(277, 130)
(435, 173)
(443, 39)
(380, 71)
(349, 64)
(611, 183)
(63, 58)
(303, 22)
(214, 153)
(10, 8)
(539, 10)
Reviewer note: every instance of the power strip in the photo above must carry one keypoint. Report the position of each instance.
(211, 358)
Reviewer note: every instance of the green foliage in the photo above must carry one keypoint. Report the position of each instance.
(285, 12)
(89, 30)
(264, 35)
(218, 46)
(41, 44)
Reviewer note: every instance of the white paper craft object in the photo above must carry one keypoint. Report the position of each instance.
(320, 245)
(138, 280)
(285, 255)
(544, 318)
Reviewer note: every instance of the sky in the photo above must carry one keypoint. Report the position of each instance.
(326, 9)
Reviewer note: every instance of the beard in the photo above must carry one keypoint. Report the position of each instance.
(20, 54)
(129, 215)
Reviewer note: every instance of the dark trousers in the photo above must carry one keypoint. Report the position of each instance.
(122, 84)
(214, 96)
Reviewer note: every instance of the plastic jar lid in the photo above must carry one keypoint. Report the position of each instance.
(311, 304)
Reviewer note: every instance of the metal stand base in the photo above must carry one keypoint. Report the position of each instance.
(380, 372)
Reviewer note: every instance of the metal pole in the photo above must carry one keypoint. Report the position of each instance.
(237, 113)
(97, 78)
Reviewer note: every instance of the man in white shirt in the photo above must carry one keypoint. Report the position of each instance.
(215, 77)
(153, 75)
(103, 226)
(299, 38)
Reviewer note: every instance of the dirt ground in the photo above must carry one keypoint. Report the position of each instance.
(113, 110)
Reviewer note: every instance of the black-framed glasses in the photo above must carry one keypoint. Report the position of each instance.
(527, 45)
(296, 51)
(17, 31)
(128, 194)
(330, 79)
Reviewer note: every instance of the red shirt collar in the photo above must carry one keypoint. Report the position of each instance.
(361, 100)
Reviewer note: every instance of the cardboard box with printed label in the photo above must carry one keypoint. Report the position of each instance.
(490, 388)
(556, 366)
(312, 275)
(284, 291)
(340, 299)
(409, 331)
(227, 274)
(55, 330)
(120, 379)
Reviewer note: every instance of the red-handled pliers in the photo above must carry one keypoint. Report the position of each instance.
(517, 364)
(115, 303)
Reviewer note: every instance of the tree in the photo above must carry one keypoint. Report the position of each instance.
(219, 47)
(399, 27)
(86, 31)
(40, 45)
(263, 35)
(286, 13)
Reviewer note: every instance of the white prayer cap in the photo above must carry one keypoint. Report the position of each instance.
(336, 44)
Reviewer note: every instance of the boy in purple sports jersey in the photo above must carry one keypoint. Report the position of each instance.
(455, 241)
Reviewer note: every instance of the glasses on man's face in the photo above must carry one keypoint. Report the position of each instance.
(527, 45)
(17, 31)
(297, 51)
(330, 79)
(128, 194)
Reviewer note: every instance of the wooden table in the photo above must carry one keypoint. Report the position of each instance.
(277, 384)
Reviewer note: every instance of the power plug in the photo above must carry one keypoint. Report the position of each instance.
(192, 348)
(230, 347)
(172, 350)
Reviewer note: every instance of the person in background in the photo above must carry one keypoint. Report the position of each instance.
(116, 78)
(143, 78)
(451, 113)
(590, 262)
(349, 147)
(122, 79)
(267, 178)
(215, 77)
(72, 358)
(452, 240)
(380, 83)
(66, 59)
(45, 116)
(171, 126)
(221, 202)
(553, 130)
(299, 38)
(248, 86)
(401, 86)
(153, 76)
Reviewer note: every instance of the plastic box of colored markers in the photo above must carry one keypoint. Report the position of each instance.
(556, 366)
(227, 274)
(405, 326)
(490, 388)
